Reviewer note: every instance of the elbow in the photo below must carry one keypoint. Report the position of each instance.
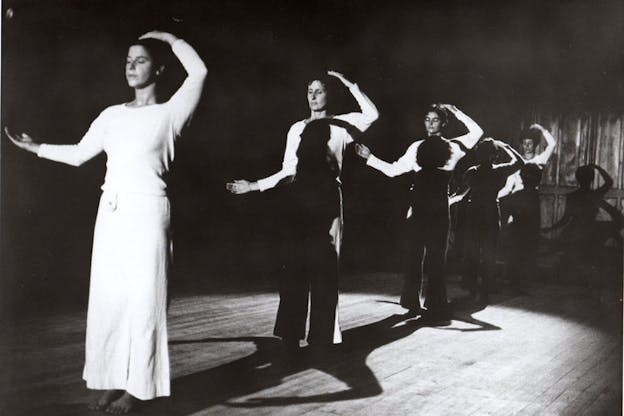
(79, 161)
(608, 184)
(371, 115)
(477, 133)
(374, 115)
(200, 73)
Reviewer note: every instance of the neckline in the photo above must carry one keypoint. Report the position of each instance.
(126, 105)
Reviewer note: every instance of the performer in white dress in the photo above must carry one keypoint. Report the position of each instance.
(126, 341)
(339, 138)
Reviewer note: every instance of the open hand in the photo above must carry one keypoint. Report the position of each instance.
(341, 77)
(163, 36)
(362, 151)
(448, 107)
(22, 140)
(239, 187)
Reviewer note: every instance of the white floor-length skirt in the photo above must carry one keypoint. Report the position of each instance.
(126, 343)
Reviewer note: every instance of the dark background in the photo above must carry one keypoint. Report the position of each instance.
(63, 63)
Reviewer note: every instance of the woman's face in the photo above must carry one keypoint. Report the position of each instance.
(528, 147)
(141, 70)
(433, 124)
(317, 96)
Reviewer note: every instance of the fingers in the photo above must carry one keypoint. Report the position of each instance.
(15, 139)
(6, 131)
(237, 187)
(340, 76)
(147, 35)
(362, 150)
(156, 34)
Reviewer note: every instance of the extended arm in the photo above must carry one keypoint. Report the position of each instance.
(510, 186)
(74, 154)
(284, 175)
(404, 164)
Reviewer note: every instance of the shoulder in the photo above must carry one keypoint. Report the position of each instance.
(109, 112)
(415, 144)
(297, 127)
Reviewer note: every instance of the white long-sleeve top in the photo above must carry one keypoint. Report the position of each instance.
(407, 162)
(339, 138)
(514, 181)
(138, 141)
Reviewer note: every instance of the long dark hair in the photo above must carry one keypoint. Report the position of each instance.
(315, 185)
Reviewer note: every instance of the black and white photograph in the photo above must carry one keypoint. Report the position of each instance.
(330, 207)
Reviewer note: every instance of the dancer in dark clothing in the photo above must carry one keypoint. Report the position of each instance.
(315, 198)
(428, 231)
(524, 208)
(483, 216)
(428, 216)
(322, 159)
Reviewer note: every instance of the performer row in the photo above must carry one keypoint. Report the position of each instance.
(126, 341)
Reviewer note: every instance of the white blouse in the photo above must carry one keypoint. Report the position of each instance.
(338, 141)
(407, 162)
(138, 141)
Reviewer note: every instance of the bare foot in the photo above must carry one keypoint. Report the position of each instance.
(122, 405)
(104, 400)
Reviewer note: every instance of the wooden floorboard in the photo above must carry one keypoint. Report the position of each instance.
(554, 351)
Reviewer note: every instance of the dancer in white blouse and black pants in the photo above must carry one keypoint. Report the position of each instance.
(428, 217)
(290, 325)
(126, 342)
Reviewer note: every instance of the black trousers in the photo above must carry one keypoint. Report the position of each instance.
(482, 229)
(311, 273)
(425, 249)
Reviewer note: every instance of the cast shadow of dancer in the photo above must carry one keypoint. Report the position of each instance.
(348, 362)
(582, 238)
(462, 309)
(269, 365)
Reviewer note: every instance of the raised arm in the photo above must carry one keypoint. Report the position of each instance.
(608, 180)
(404, 164)
(284, 175)
(184, 102)
(474, 130)
(543, 157)
(368, 112)
(506, 169)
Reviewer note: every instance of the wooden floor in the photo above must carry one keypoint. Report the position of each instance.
(555, 350)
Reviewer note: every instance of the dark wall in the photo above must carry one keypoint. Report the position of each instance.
(62, 63)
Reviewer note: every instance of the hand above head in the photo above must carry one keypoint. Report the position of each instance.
(537, 126)
(23, 141)
(448, 107)
(362, 151)
(242, 186)
(163, 36)
(341, 77)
